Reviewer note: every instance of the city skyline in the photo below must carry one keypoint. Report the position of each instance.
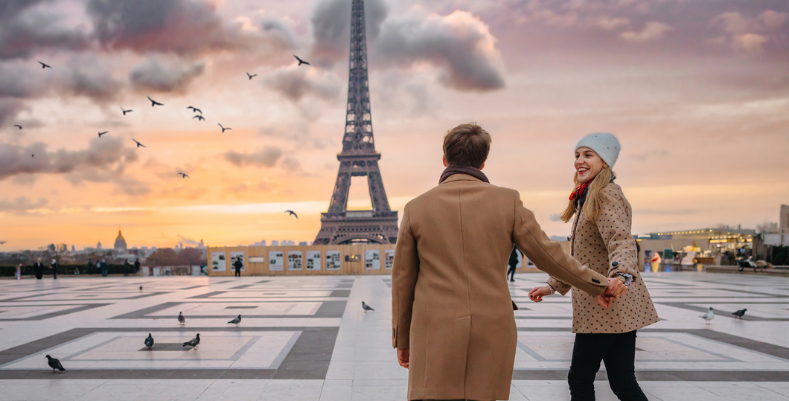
(697, 94)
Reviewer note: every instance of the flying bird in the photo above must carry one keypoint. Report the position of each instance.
(235, 321)
(154, 102)
(184, 175)
(102, 133)
(193, 342)
(300, 60)
(149, 341)
(195, 109)
(367, 307)
(2, 242)
(54, 364)
(223, 128)
(199, 117)
(139, 144)
(708, 316)
(740, 313)
(18, 126)
(251, 76)
(292, 213)
(126, 111)
(44, 66)
(181, 318)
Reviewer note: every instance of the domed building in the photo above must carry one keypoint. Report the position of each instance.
(120, 242)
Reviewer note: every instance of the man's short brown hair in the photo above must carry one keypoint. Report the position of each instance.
(466, 145)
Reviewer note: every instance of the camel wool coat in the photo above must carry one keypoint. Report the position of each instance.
(451, 304)
(607, 247)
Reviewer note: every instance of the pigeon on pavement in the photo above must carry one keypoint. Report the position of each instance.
(367, 307)
(140, 288)
(181, 318)
(54, 364)
(235, 321)
(193, 342)
(149, 341)
(740, 313)
(708, 316)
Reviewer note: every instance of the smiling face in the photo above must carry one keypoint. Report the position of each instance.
(587, 164)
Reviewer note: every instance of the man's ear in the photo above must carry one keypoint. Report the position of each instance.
(444, 159)
(482, 166)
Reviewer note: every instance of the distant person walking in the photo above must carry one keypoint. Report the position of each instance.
(18, 274)
(103, 267)
(137, 266)
(656, 261)
(126, 268)
(38, 269)
(55, 266)
(238, 265)
(602, 240)
(513, 262)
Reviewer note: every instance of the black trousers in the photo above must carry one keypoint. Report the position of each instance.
(618, 351)
(238, 273)
(55, 273)
(511, 272)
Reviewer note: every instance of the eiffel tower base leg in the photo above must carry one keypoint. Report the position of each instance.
(343, 230)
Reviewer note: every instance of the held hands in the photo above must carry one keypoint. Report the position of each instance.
(537, 293)
(403, 357)
(616, 288)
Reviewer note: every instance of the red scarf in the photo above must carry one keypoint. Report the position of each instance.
(580, 190)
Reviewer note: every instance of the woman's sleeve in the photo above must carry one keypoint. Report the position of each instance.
(559, 286)
(614, 226)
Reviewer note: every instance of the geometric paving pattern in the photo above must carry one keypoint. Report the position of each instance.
(307, 338)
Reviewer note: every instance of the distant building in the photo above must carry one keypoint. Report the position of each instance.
(275, 243)
(779, 236)
(120, 243)
(304, 243)
(98, 246)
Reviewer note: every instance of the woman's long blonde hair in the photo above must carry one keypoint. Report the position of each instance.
(594, 195)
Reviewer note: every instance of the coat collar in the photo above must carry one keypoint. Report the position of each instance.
(460, 177)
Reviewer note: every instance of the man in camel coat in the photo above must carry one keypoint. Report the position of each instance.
(452, 316)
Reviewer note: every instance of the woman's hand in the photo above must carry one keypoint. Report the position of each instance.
(537, 293)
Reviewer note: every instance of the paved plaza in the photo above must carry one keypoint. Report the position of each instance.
(307, 338)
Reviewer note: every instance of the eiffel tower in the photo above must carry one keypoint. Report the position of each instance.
(358, 158)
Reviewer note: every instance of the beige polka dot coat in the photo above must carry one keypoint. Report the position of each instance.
(598, 245)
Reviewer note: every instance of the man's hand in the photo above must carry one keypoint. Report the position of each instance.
(537, 293)
(403, 356)
(614, 290)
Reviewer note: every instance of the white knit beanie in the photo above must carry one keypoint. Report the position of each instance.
(604, 144)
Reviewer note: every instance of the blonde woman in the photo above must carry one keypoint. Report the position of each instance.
(602, 240)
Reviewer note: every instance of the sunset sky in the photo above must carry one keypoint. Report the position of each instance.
(696, 91)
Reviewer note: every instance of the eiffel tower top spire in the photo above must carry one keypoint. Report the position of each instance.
(358, 138)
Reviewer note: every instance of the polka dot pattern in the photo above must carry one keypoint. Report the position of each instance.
(598, 245)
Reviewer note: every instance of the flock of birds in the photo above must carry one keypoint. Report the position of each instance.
(711, 315)
(56, 365)
(195, 110)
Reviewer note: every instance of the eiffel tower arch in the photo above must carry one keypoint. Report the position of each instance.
(358, 158)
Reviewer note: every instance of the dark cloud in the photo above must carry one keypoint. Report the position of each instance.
(266, 157)
(104, 160)
(27, 27)
(296, 82)
(181, 27)
(164, 74)
(331, 22)
(21, 205)
(459, 44)
(8, 111)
